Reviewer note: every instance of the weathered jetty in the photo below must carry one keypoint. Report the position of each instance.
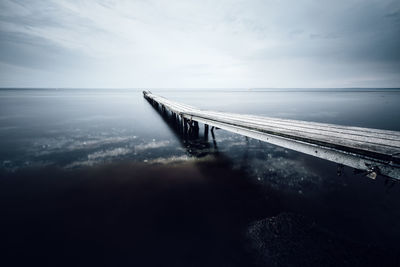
(374, 151)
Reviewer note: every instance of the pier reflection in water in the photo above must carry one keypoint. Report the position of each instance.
(195, 141)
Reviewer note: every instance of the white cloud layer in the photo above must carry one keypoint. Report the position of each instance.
(198, 44)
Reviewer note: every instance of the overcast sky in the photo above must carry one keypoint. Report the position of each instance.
(200, 44)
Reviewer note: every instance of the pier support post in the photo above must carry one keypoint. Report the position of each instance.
(185, 125)
(206, 132)
(196, 129)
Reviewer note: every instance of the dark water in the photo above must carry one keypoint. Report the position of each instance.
(99, 177)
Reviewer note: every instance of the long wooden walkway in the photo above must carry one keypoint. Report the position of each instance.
(371, 150)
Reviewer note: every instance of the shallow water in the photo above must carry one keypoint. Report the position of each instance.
(103, 169)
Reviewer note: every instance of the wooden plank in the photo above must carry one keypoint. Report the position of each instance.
(376, 144)
(323, 132)
(389, 135)
(362, 148)
(383, 151)
(304, 128)
(368, 132)
(379, 145)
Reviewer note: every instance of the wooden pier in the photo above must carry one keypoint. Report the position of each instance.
(371, 150)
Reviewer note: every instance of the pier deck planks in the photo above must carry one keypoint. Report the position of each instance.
(372, 150)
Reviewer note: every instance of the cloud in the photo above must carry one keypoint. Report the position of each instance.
(200, 43)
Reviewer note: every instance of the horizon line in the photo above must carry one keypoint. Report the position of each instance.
(198, 88)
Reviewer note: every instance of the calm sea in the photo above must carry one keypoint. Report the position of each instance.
(100, 177)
